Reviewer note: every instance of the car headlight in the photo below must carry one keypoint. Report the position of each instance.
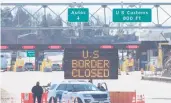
(87, 95)
(87, 100)
(108, 96)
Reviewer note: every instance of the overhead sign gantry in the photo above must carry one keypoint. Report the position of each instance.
(77, 12)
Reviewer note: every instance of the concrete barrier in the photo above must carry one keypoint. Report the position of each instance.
(7, 97)
(155, 78)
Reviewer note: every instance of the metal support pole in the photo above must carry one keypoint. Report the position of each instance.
(121, 24)
(45, 6)
(157, 7)
(18, 16)
(82, 24)
(45, 21)
(17, 39)
(85, 27)
(140, 7)
(70, 40)
(104, 9)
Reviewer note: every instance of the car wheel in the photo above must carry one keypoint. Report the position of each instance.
(77, 100)
(52, 100)
(58, 100)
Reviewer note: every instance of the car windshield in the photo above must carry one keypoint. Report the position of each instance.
(55, 65)
(53, 86)
(28, 64)
(85, 87)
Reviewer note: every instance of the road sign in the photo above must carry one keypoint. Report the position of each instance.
(132, 15)
(78, 14)
(75, 58)
(30, 53)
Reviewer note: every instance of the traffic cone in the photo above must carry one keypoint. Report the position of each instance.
(142, 71)
(119, 71)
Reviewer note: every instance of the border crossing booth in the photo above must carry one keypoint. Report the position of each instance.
(148, 55)
(127, 56)
(165, 59)
(55, 51)
(8, 55)
(34, 53)
(18, 56)
(60, 48)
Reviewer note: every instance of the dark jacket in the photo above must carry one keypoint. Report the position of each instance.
(101, 88)
(37, 90)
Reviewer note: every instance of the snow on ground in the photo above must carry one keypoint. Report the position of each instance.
(23, 82)
(17, 83)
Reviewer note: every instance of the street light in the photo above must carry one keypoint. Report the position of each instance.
(70, 39)
(23, 35)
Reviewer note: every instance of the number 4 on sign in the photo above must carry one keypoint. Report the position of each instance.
(78, 18)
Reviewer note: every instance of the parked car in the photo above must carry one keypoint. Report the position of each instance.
(28, 67)
(77, 92)
(56, 67)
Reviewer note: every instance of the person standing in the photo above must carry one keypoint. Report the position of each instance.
(100, 87)
(47, 65)
(91, 81)
(37, 91)
(4, 63)
(19, 64)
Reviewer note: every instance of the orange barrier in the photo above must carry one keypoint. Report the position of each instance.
(123, 97)
(44, 98)
(115, 97)
(28, 98)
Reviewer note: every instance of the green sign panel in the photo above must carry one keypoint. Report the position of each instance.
(78, 14)
(30, 53)
(132, 15)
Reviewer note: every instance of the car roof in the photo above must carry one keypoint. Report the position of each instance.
(75, 82)
(55, 64)
(28, 63)
(70, 82)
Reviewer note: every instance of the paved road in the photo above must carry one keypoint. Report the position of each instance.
(155, 92)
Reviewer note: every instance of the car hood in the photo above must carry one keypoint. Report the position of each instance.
(93, 92)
